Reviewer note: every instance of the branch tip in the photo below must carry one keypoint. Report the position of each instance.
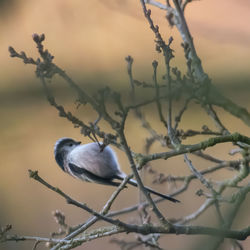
(33, 174)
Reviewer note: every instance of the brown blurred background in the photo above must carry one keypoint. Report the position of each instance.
(90, 39)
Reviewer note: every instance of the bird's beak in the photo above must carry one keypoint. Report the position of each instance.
(78, 142)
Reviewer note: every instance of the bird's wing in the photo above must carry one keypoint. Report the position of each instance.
(84, 174)
(100, 163)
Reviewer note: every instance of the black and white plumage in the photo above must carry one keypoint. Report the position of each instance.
(89, 163)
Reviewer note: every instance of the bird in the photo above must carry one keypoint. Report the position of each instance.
(93, 163)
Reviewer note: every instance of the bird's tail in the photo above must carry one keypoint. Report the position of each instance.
(134, 183)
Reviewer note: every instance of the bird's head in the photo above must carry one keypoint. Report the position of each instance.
(62, 147)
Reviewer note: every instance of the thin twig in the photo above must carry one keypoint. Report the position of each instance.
(211, 112)
(199, 176)
(139, 181)
(181, 112)
(157, 95)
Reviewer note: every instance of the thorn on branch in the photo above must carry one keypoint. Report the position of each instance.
(148, 13)
(200, 192)
(155, 64)
(33, 174)
(170, 40)
(12, 51)
(38, 38)
(170, 18)
(129, 59)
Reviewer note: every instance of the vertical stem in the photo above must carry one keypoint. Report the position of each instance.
(138, 112)
(157, 95)
(139, 181)
(199, 74)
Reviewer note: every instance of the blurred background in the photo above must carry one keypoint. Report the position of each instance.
(90, 40)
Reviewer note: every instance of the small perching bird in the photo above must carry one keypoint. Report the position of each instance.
(89, 163)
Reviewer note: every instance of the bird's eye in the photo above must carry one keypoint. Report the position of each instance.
(71, 144)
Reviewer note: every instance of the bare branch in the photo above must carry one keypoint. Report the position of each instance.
(236, 137)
